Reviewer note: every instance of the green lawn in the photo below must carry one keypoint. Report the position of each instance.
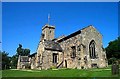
(106, 72)
(0, 73)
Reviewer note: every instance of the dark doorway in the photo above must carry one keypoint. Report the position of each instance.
(66, 63)
(54, 57)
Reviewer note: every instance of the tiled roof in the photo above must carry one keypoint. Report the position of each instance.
(24, 59)
(32, 55)
(52, 45)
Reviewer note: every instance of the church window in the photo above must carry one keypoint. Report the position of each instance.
(54, 58)
(79, 48)
(73, 52)
(50, 31)
(43, 35)
(38, 59)
(92, 49)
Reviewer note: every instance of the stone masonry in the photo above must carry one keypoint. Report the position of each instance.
(82, 50)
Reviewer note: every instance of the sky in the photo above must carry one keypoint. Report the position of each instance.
(22, 21)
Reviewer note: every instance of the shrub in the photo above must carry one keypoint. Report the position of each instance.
(53, 67)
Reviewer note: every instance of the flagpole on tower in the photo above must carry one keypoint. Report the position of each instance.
(48, 19)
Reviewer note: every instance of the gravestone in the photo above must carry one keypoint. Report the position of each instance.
(115, 69)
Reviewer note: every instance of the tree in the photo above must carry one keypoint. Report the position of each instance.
(14, 59)
(26, 52)
(5, 60)
(22, 52)
(113, 50)
(13, 62)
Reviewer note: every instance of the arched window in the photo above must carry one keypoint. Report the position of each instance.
(92, 49)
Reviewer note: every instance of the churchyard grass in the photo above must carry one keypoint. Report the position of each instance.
(103, 72)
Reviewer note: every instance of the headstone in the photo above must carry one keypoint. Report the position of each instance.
(115, 69)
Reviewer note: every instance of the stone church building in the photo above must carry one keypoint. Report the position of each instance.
(82, 49)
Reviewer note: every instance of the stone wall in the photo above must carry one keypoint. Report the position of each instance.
(39, 55)
(23, 62)
(66, 46)
(33, 61)
(87, 35)
(47, 59)
(81, 42)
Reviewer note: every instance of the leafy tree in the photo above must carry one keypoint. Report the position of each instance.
(5, 60)
(14, 60)
(113, 50)
(26, 52)
(22, 52)
(112, 60)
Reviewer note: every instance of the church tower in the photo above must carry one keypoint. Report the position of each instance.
(48, 32)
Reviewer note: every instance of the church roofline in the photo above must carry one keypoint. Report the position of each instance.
(32, 55)
(69, 36)
(93, 28)
(73, 34)
(87, 27)
(48, 26)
